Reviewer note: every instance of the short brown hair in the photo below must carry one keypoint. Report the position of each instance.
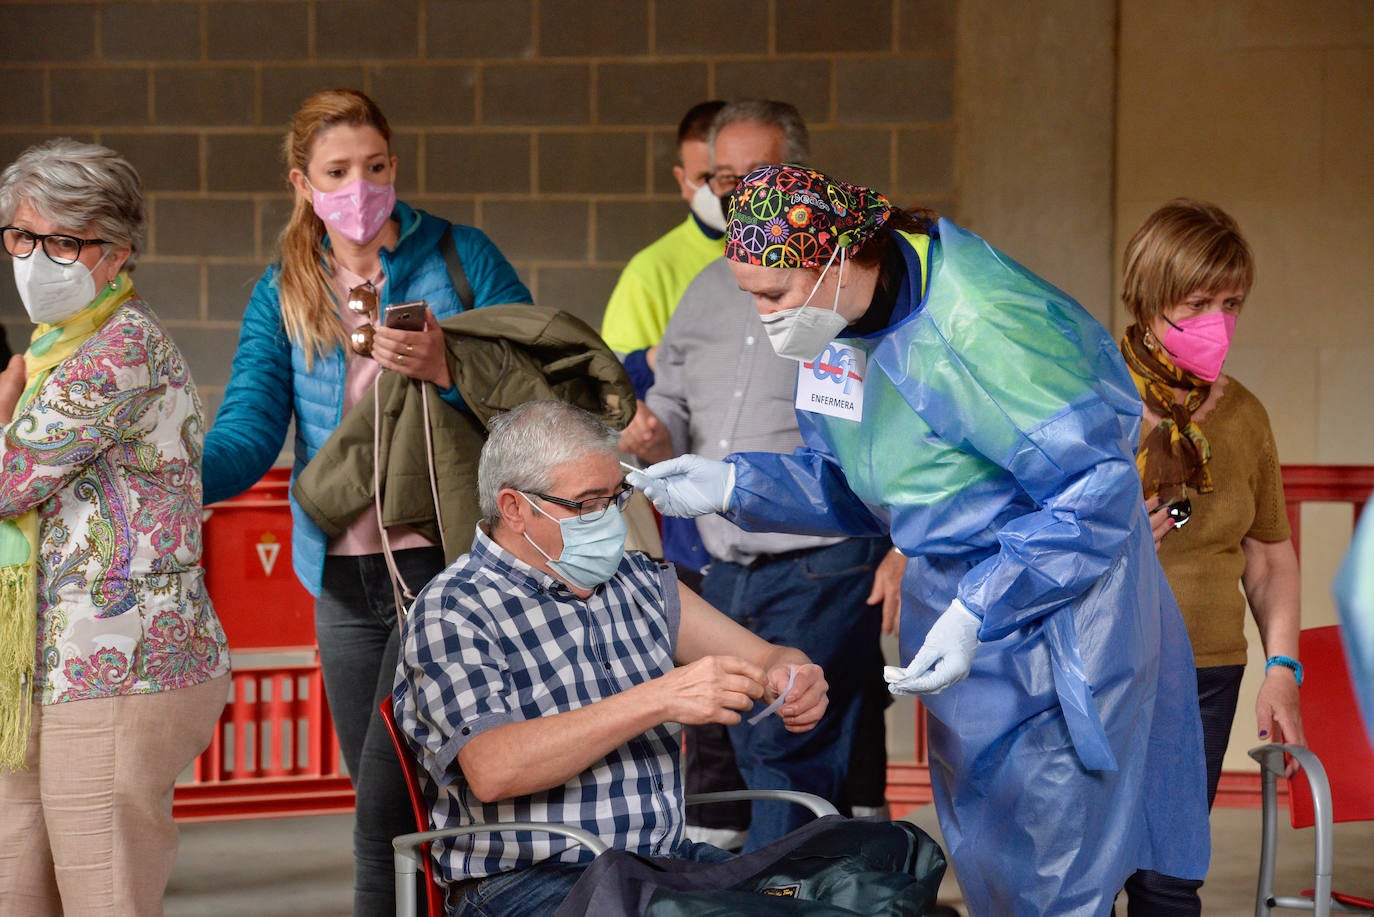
(1183, 247)
(696, 124)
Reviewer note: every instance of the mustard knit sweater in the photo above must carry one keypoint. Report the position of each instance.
(1204, 560)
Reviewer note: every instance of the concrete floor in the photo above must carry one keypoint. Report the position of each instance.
(301, 867)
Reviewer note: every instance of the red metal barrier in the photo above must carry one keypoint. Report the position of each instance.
(274, 751)
(908, 782)
(1351, 484)
(1325, 484)
(248, 574)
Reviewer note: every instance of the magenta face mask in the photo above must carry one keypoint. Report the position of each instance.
(357, 211)
(1199, 344)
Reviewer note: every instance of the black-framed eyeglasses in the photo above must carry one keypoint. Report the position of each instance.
(58, 246)
(363, 300)
(592, 508)
(724, 182)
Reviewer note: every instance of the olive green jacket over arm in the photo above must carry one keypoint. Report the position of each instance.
(499, 357)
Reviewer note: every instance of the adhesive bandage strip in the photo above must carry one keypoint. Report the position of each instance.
(791, 680)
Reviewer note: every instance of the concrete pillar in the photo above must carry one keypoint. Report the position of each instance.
(1035, 113)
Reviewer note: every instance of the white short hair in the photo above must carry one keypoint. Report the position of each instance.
(79, 184)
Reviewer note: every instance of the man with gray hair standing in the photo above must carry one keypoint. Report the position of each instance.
(646, 295)
(719, 389)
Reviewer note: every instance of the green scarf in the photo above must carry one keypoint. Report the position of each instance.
(49, 347)
(1174, 455)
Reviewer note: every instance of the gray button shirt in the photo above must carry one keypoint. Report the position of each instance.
(719, 388)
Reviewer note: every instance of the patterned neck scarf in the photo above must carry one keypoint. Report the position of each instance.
(49, 347)
(1173, 456)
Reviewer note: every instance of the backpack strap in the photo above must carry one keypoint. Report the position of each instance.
(456, 274)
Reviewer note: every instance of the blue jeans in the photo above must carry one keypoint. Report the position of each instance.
(709, 763)
(814, 601)
(540, 888)
(355, 627)
(1154, 894)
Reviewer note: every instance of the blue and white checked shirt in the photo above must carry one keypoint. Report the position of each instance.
(492, 640)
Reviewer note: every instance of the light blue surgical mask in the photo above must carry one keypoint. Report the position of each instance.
(591, 550)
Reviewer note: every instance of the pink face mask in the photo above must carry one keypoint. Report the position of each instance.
(1199, 344)
(357, 211)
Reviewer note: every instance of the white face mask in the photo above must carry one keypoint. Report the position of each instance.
(802, 332)
(53, 292)
(708, 208)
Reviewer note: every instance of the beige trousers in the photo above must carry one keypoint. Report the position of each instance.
(87, 828)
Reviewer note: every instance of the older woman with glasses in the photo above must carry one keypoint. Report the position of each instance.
(1210, 473)
(113, 665)
(315, 338)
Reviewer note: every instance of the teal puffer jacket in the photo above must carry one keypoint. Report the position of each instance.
(269, 386)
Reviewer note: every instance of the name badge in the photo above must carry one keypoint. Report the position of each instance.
(833, 383)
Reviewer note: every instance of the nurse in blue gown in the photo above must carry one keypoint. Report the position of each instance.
(951, 400)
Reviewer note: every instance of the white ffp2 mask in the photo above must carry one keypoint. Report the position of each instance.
(53, 292)
(803, 331)
(706, 204)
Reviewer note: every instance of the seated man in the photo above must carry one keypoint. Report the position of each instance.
(546, 675)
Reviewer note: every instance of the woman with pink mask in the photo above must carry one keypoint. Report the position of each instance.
(313, 342)
(1211, 479)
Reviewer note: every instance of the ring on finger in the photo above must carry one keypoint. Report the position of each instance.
(400, 358)
(410, 348)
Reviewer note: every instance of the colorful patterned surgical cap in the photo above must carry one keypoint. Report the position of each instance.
(792, 216)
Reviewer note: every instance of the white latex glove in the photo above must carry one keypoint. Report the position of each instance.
(688, 485)
(944, 659)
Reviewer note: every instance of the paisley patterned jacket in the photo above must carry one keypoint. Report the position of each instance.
(108, 451)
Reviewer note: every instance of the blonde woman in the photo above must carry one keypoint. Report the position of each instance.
(113, 666)
(312, 343)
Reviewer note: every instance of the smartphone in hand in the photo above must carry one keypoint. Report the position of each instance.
(406, 316)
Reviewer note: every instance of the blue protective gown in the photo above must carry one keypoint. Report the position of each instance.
(997, 449)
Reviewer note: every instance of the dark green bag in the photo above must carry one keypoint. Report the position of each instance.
(832, 866)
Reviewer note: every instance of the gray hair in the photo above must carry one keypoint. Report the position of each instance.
(780, 115)
(81, 185)
(525, 444)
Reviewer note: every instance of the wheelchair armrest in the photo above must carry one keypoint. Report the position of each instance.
(407, 846)
(818, 806)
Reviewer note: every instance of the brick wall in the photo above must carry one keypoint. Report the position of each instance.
(548, 124)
